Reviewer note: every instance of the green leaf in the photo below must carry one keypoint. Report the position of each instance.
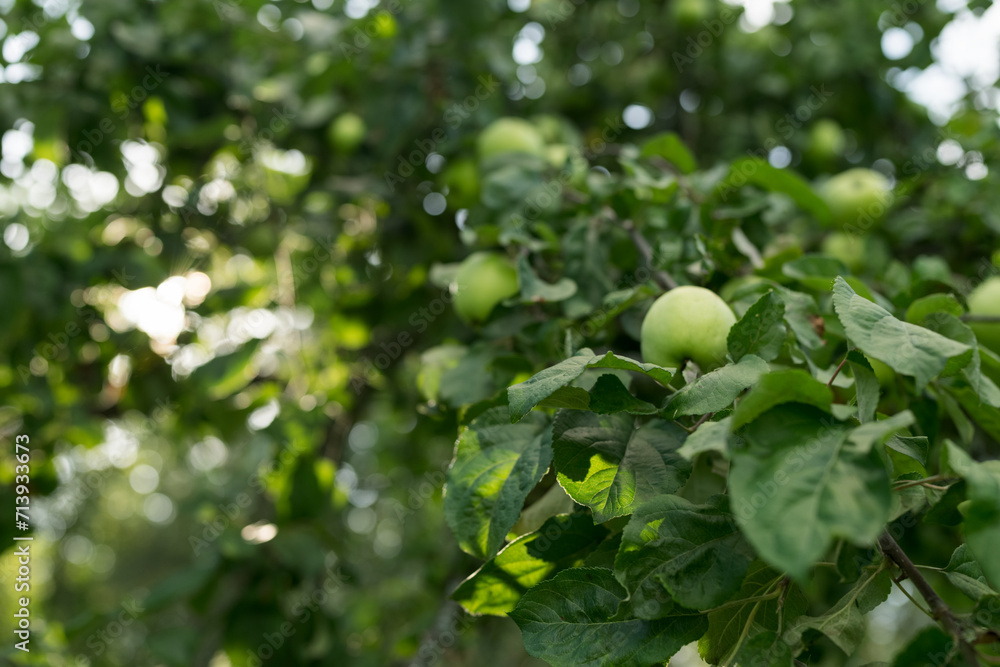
(933, 304)
(433, 365)
(866, 386)
(761, 331)
(982, 519)
(562, 542)
(986, 392)
(610, 466)
(904, 347)
(797, 482)
(526, 395)
(815, 270)
(574, 398)
(758, 171)
(536, 290)
(764, 650)
(609, 396)
(496, 465)
(566, 621)
(868, 435)
(786, 386)
(928, 649)
(224, 376)
(611, 360)
(801, 315)
(916, 448)
(716, 390)
(675, 550)
(966, 574)
(710, 436)
(844, 623)
(670, 147)
(747, 610)
(987, 416)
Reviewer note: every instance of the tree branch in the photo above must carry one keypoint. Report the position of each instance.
(662, 278)
(941, 611)
(969, 317)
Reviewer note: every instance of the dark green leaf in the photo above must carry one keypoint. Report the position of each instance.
(797, 482)
(866, 386)
(916, 447)
(966, 574)
(747, 610)
(844, 623)
(930, 648)
(716, 390)
(710, 436)
(607, 464)
(566, 621)
(675, 550)
(526, 395)
(496, 465)
(982, 519)
(609, 395)
(758, 171)
(786, 386)
(761, 331)
(562, 542)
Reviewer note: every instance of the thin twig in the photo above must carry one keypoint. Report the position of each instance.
(704, 418)
(969, 317)
(662, 278)
(904, 484)
(910, 598)
(940, 610)
(836, 372)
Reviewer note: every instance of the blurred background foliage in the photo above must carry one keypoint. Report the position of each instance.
(222, 220)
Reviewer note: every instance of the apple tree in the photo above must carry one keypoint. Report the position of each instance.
(643, 463)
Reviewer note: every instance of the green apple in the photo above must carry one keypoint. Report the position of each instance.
(687, 323)
(826, 140)
(510, 135)
(690, 12)
(347, 132)
(985, 300)
(483, 280)
(462, 179)
(848, 248)
(858, 198)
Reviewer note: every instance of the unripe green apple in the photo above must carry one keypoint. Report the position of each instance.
(985, 300)
(462, 179)
(848, 248)
(687, 323)
(347, 132)
(857, 198)
(826, 140)
(510, 135)
(690, 12)
(483, 280)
